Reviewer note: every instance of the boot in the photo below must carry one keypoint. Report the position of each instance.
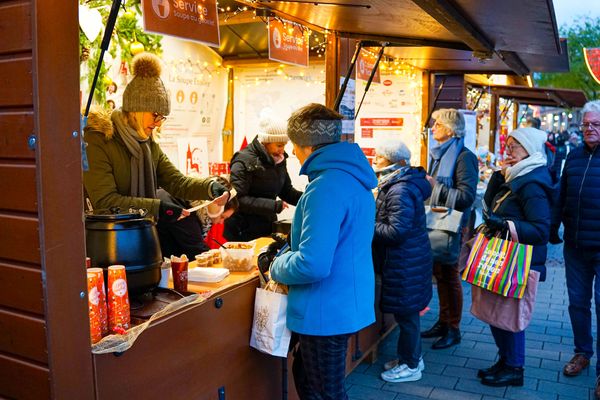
(438, 329)
(507, 376)
(451, 338)
(491, 370)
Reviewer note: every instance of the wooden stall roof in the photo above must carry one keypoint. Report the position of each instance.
(565, 98)
(511, 35)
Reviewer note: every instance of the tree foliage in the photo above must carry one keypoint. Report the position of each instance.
(584, 33)
(127, 31)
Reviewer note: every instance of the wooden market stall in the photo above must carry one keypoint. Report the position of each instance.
(44, 333)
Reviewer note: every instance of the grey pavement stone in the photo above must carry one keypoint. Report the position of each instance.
(475, 386)
(412, 388)
(365, 393)
(541, 373)
(366, 380)
(488, 354)
(461, 372)
(561, 388)
(445, 359)
(445, 394)
(516, 393)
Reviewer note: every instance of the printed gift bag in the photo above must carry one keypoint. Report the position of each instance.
(499, 265)
(269, 331)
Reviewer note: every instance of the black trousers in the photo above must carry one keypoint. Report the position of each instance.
(409, 341)
(319, 367)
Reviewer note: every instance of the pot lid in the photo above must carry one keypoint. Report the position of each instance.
(116, 214)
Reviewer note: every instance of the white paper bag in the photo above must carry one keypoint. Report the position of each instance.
(269, 332)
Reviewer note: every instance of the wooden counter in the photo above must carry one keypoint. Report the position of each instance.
(202, 352)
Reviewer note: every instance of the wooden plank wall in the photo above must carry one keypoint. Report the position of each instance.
(32, 364)
(23, 351)
(453, 93)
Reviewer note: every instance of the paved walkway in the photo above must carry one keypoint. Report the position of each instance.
(451, 373)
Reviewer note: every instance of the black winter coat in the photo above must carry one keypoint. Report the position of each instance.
(185, 236)
(258, 182)
(579, 202)
(401, 248)
(529, 206)
(466, 176)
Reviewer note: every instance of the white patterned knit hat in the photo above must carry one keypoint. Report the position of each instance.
(272, 130)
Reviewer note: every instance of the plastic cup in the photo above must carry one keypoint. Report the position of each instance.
(118, 299)
(179, 268)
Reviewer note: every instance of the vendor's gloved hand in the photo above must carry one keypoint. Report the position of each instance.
(217, 189)
(495, 223)
(554, 236)
(169, 212)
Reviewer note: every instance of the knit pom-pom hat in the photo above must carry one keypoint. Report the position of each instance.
(146, 91)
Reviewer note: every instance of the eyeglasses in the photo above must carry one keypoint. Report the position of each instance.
(511, 148)
(158, 118)
(590, 125)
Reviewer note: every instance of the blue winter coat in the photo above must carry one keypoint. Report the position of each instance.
(401, 248)
(579, 202)
(329, 268)
(528, 206)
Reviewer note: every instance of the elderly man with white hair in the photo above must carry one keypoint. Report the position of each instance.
(453, 173)
(579, 209)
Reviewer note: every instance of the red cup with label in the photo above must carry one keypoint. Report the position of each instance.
(179, 267)
(93, 307)
(118, 299)
(102, 301)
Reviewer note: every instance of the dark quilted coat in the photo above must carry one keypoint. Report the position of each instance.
(401, 248)
(258, 182)
(529, 206)
(579, 203)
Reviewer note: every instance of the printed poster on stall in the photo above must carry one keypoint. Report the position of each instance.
(364, 66)
(347, 108)
(193, 156)
(186, 19)
(391, 110)
(288, 42)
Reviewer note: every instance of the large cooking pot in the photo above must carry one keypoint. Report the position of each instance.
(128, 239)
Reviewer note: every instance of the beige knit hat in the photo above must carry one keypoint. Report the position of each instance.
(146, 91)
(272, 130)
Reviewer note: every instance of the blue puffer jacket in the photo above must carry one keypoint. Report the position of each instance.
(579, 203)
(401, 248)
(528, 205)
(329, 268)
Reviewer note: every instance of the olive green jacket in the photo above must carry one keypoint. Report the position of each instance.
(107, 181)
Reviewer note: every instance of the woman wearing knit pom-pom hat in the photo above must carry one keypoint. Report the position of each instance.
(126, 165)
(260, 178)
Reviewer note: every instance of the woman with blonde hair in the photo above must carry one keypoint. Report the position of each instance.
(126, 165)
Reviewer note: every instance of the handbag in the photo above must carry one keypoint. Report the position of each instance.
(443, 226)
(506, 313)
(499, 265)
(270, 334)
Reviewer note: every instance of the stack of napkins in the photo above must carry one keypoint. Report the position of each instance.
(207, 274)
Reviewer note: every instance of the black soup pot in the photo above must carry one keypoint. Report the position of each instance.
(130, 239)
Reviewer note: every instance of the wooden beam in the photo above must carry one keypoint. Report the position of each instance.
(425, 106)
(454, 20)
(228, 126)
(514, 62)
(244, 17)
(493, 122)
(332, 69)
(404, 42)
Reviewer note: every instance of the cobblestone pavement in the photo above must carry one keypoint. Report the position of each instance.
(451, 373)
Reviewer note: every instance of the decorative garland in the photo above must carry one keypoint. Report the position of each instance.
(128, 40)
